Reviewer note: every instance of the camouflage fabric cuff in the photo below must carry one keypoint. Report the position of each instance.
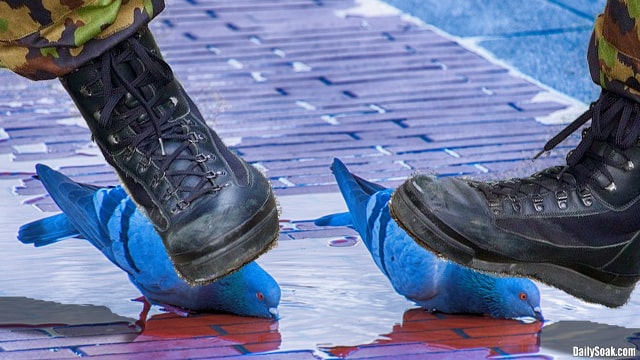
(613, 50)
(40, 41)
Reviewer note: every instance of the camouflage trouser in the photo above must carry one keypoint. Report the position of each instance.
(44, 39)
(614, 49)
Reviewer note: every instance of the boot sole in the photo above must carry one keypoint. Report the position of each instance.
(212, 266)
(421, 226)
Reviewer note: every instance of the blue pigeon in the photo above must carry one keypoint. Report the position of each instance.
(110, 221)
(432, 283)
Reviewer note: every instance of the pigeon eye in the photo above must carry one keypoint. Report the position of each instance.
(523, 296)
(260, 296)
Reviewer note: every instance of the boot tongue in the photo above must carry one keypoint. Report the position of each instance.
(134, 72)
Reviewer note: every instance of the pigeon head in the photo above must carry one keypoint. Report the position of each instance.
(498, 297)
(515, 298)
(250, 291)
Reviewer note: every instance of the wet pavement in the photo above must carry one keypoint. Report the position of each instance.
(290, 85)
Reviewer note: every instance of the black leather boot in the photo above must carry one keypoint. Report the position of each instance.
(213, 211)
(576, 227)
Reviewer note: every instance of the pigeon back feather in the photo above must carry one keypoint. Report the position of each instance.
(357, 193)
(368, 205)
(76, 201)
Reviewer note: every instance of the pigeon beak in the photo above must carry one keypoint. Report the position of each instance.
(538, 311)
(274, 313)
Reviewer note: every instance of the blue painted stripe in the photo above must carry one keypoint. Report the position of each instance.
(382, 220)
(125, 224)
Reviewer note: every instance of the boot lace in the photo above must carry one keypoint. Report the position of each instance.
(150, 116)
(614, 129)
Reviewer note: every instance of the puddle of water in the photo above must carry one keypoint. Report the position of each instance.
(332, 293)
(558, 306)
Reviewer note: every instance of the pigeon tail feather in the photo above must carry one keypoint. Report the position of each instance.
(47, 231)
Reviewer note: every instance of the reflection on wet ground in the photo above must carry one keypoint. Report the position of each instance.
(94, 330)
(561, 337)
(334, 302)
(423, 332)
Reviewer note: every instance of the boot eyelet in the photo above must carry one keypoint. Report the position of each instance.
(168, 194)
(180, 206)
(143, 118)
(569, 154)
(515, 204)
(586, 197)
(143, 165)
(537, 202)
(496, 207)
(113, 139)
(85, 91)
(130, 101)
(128, 153)
(629, 166)
(202, 157)
(194, 137)
(155, 181)
(561, 198)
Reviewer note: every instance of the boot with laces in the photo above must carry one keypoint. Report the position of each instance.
(213, 211)
(575, 227)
